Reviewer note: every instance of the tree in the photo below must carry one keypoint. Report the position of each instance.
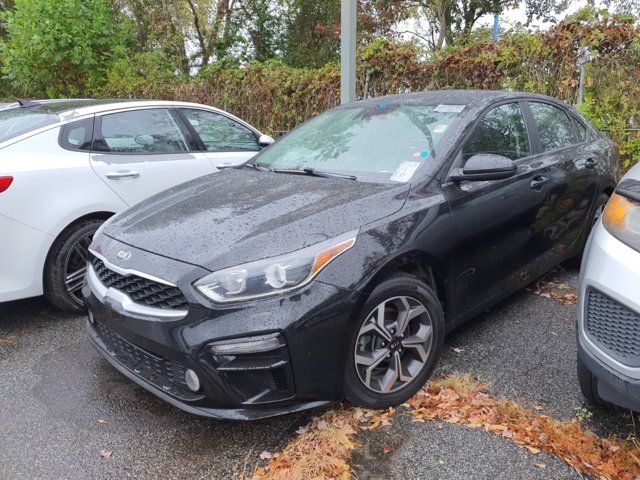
(453, 20)
(60, 47)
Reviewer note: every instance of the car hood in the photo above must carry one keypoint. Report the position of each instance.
(237, 216)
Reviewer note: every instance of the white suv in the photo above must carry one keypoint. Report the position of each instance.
(68, 165)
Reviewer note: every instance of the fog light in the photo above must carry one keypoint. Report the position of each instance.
(91, 319)
(193, 382)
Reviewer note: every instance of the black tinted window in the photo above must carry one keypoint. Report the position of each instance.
(554, 126)
(140, 131)
(220, 133)
(501, 132)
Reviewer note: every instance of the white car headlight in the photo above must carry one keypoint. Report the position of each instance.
(275, 275)
(621, 216)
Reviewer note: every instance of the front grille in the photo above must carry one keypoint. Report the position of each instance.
(141, 290)
(161, 372)
(613, 328)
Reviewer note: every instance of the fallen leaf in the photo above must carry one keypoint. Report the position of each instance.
(441, 462)
(537, 407)
(533, 450)
(387, 449)
(106, 453)
(301, 430)
(322, 425)
(266, 455)
(554, 334)
(440, 426)
(540, 465)
(102, 421)
(458, 350)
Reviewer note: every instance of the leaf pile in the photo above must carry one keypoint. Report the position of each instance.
(464, 401)
(322, 449)
(560, 292)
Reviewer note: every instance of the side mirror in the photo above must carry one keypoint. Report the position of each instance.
(265, 140)
(486, 166)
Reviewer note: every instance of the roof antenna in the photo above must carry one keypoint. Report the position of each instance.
(27, 103)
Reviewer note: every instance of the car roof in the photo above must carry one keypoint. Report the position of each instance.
(453, 97)
(75, 107)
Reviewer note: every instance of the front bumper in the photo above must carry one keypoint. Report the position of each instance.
(609, 317)
(304, 370)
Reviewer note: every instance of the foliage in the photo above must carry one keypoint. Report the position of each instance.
(60, 47)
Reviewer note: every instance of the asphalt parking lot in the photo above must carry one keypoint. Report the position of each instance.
(55, 390)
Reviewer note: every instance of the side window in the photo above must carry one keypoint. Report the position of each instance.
(502, 131)
(77, 135)
(220, 133)
(581, 129)
(554, 126)
(140, 131)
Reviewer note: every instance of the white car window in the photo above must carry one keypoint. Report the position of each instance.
(220, 133)
(140, 131)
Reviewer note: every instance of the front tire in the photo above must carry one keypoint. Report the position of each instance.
(65, 268)
(396, 343)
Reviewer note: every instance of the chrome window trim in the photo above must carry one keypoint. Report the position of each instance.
(128, 305)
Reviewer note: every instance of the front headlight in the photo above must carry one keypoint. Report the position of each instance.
(274, 275)
(621, 217)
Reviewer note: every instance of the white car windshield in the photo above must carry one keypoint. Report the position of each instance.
(375, 142)
(16, 121)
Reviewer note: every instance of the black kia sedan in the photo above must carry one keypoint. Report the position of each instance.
(332, 264)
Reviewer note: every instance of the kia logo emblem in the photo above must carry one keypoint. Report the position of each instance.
(124, 255)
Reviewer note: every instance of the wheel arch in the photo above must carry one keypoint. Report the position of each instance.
(417, 263)
(99, 215)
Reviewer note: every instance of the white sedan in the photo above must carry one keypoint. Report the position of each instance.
(609, 309)
(68, 165)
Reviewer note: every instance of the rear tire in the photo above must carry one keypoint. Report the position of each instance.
(589, 385)
(389, 360)
(66, 264)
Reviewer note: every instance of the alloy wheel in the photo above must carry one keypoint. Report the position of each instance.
(75, 266)
(393, 344)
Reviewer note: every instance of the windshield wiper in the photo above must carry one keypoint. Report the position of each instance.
(223, 166)
(314, 172)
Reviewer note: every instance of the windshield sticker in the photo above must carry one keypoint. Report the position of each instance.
(404, 172)
(423, 154)
(442, 108)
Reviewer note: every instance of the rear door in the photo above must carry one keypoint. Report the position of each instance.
(141, 152)
(569, 171)
(223, 139)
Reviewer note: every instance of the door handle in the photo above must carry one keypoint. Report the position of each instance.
(122, 174)
(538, 181)
(590, 163)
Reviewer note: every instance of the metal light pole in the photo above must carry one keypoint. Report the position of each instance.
(347, 51)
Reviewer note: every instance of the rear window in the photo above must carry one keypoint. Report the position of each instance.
(16, 121)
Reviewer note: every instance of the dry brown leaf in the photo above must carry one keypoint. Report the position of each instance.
(102, 421)
(106, 453)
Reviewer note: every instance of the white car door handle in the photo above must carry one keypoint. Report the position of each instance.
(122, 174)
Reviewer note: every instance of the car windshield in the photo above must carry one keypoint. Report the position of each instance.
(16, 121)
(380, 143)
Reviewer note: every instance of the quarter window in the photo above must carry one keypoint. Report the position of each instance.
(140, 131)
(502, 131)
(554, 126)
(220, 133)
(582, 130)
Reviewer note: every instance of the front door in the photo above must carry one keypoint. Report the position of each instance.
(493, 220)
(139, 153)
